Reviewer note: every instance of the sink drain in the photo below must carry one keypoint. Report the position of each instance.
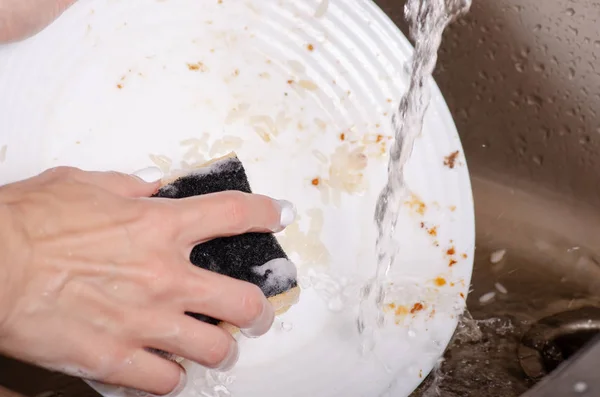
(555, 339)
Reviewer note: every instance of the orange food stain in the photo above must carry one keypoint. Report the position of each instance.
(452, 263)
(451, 251)
(440, 281)
(401, 311)
(432, 231)
(342, 136)
(120, 86)
(310, 47)
(316, 182)
(462, 295)
(464, 256)
(417, 205)
(379, 138)
(452, 208)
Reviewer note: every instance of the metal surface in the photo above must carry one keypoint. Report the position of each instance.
(555, 339)
(576, 378)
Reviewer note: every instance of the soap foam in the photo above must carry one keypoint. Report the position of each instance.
(280, 274)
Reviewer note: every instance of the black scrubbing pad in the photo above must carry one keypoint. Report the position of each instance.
(236, 256)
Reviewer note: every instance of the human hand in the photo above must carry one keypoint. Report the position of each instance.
(20, 19)
(92, 273)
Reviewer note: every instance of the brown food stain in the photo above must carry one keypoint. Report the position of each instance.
(464, 256)
(462, 295)
(342, 136)
(452, 262)
(198, 66)
(451, 251)
(417, 308)
(450, 160)
(310, 47)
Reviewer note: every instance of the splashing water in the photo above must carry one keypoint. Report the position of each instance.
(427, 20)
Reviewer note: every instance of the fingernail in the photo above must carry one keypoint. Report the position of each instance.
(150, 174)
(288, 214)
(263, 323)
(232, 358)
(182, 384)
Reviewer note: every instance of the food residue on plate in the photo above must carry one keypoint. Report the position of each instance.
(417, 308)
(450, 160)
(440, 281)
(161, 161)
(197, 66)
(417, 205)
(322, 9)
(307, 245)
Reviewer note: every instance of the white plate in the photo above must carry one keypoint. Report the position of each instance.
(112, 82)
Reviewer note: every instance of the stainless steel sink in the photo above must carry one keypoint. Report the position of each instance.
(522, 80)
(523, 83)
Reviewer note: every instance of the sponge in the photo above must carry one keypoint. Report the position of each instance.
(257, 258)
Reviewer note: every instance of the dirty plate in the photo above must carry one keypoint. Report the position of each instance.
(303, 91)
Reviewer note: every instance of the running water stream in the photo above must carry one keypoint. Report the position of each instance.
(427, 20)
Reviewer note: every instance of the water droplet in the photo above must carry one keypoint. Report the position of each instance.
(412, 333)
(538, 160)
(539, 67)
(573, 30)
(537, 28)
(597, 43)
(534, 100)
(580, 387)
(571, 73)
(286, 327)
(519, 66)
(570, 12)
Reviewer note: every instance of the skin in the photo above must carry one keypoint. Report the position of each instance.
(93, 272)
(83, 258)
(20, 19)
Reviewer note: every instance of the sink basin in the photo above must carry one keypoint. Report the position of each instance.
(523, 85)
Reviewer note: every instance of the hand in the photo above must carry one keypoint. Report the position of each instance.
(20, 19)
(92, 272)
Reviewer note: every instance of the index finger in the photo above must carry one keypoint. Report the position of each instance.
(230, 213)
